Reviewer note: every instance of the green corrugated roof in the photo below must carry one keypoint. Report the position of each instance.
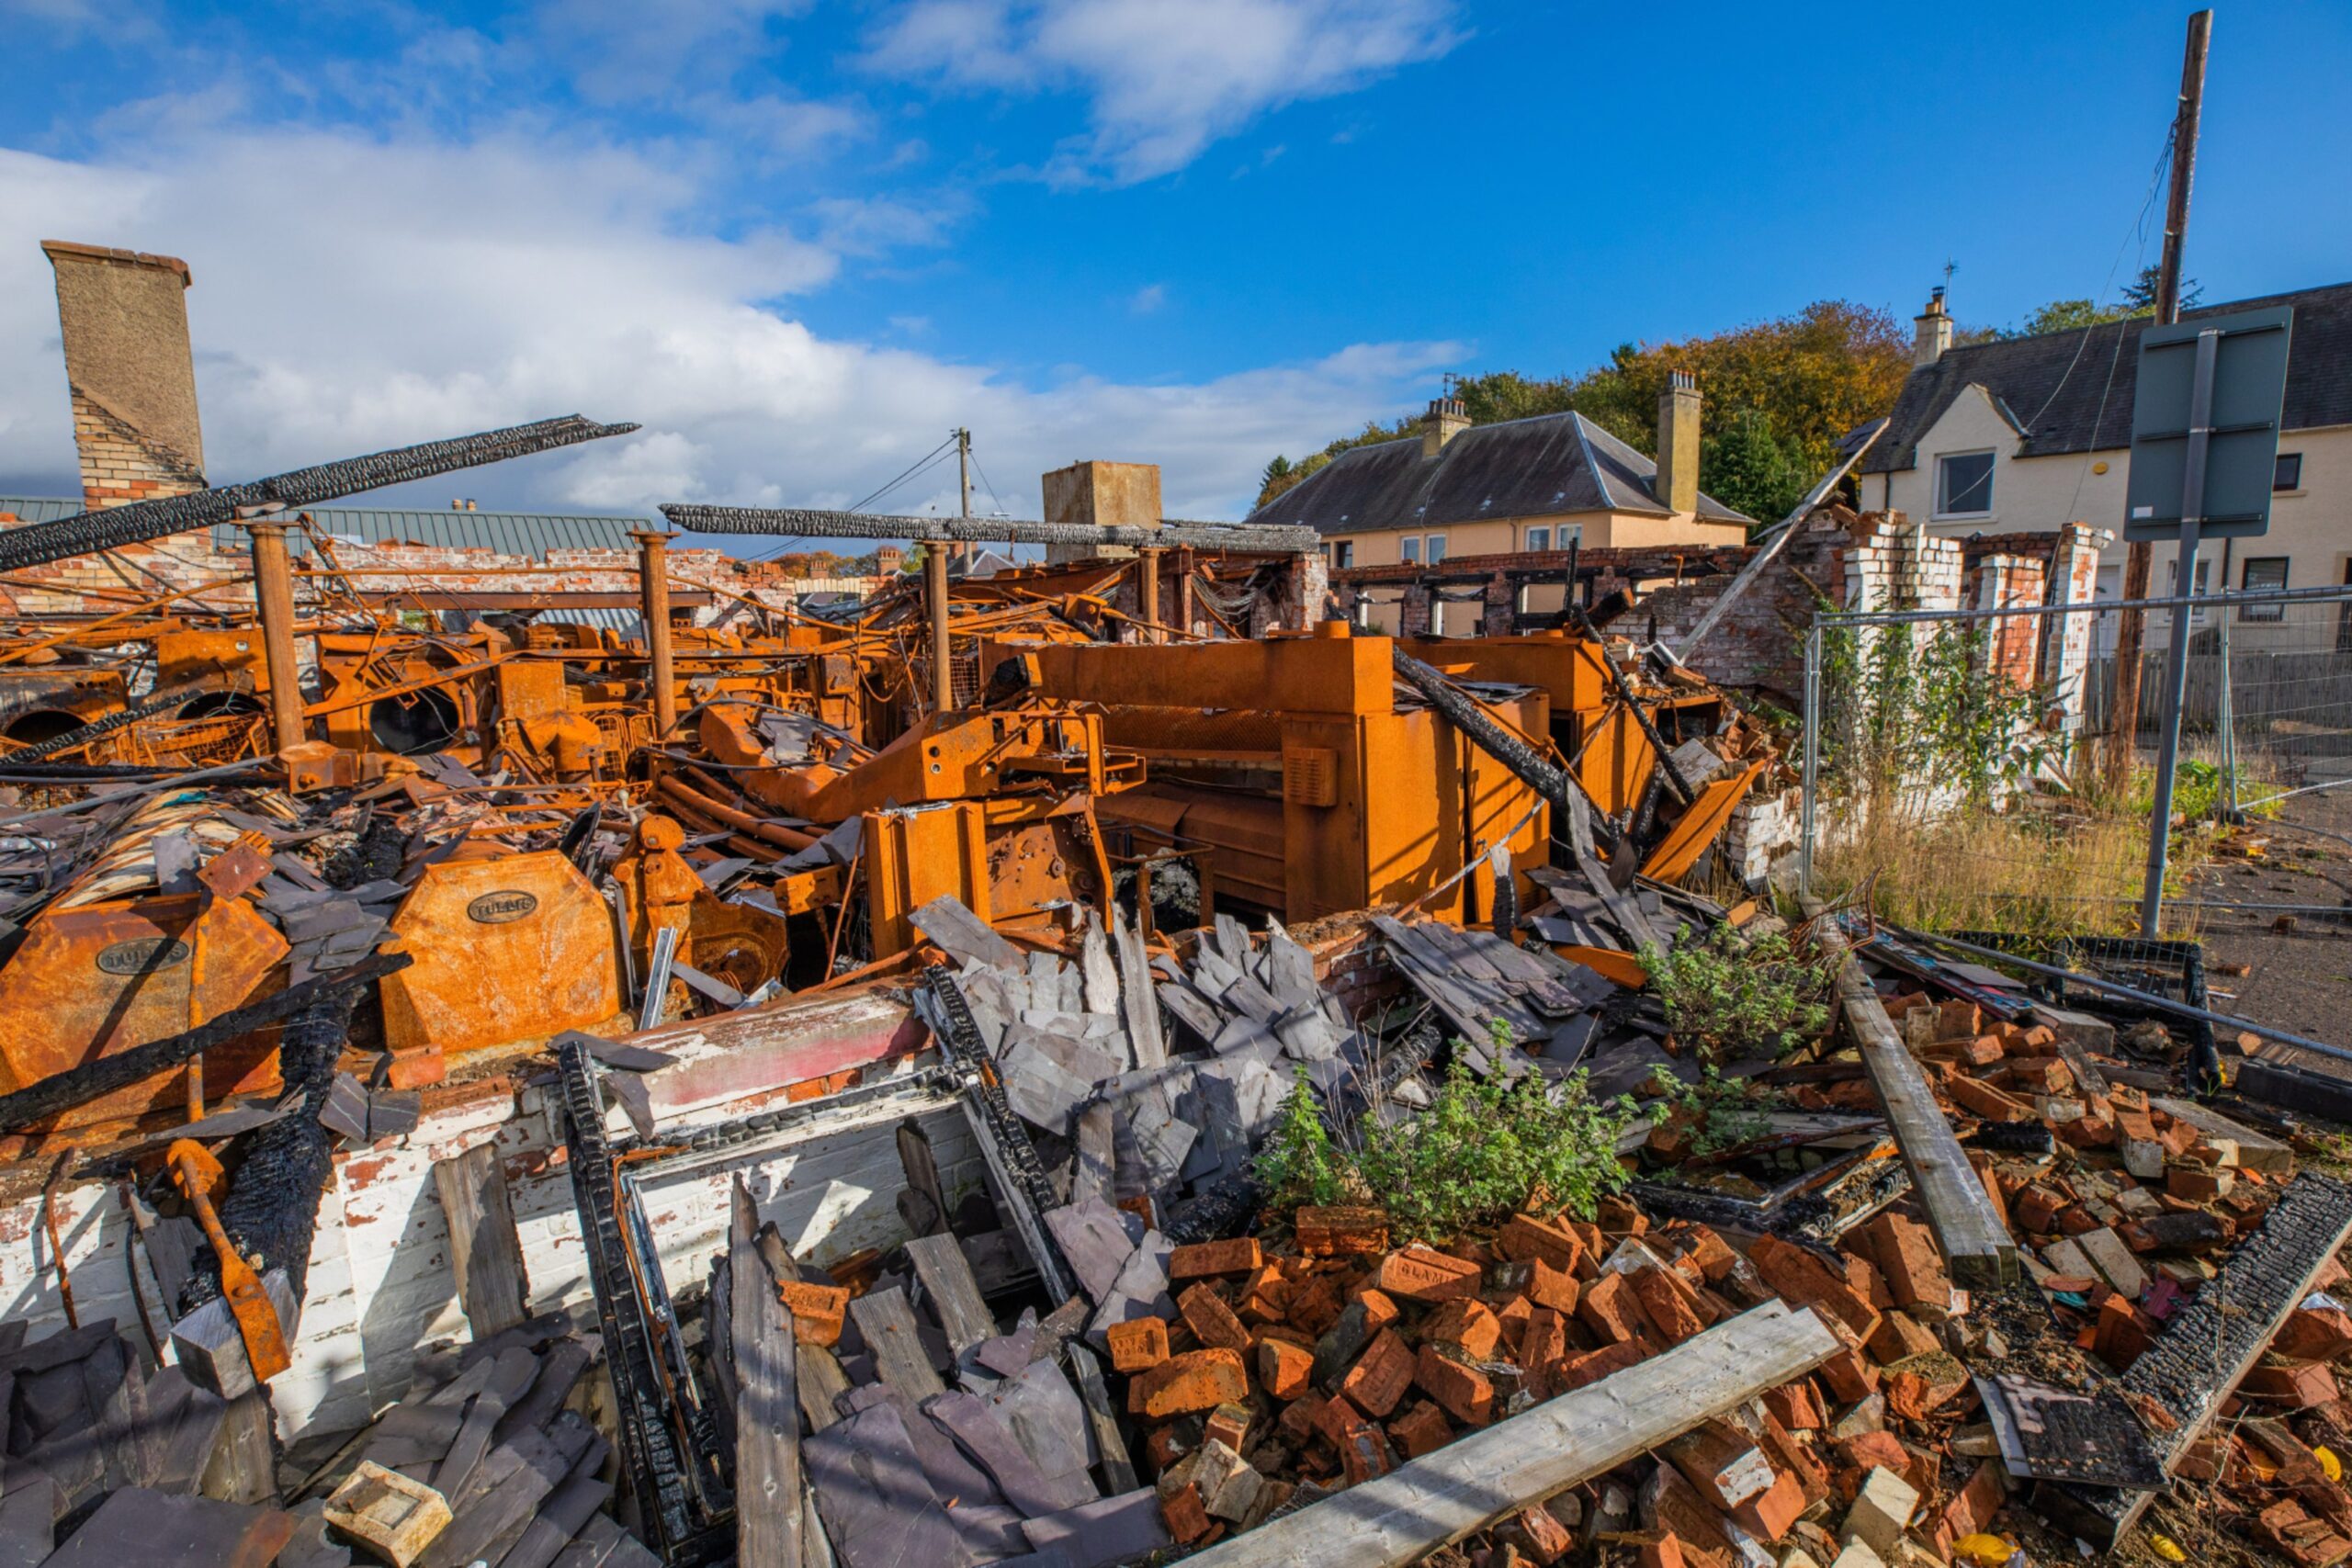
(532, 534)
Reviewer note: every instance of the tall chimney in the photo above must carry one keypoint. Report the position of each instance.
(124, 316)
(1931, 330)
(1677, 485)
(1448, 417)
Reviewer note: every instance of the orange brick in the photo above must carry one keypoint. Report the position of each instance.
(1806, 1281)
(1380, 1374)
(1512, 1313)
(1284, 1370)
(1265, 1295)
(1379, 1309)
(1462, 1390)
(1210, 1321)
(1186, 1516)
(1137, 1344)
(1542, 1537)
(1666, 1311)
(1594, 1365)
(1301, 1418)
(1544, 1344)
(1315, 1303)
(1468, 1324)
(1363, 1452)
(1548, 1287)
(1607, 1307)
(1421, 1430)
(1770, 1511)
(1341, 1232)
(1983, 1099)
(1334, 1418)
(1659, 1548)
(1197, 1380)
(1423, 1275)
(1207, 1259)
(1524, 1237)
(1795, 1406)
(816, 1310)
(1229, 1425)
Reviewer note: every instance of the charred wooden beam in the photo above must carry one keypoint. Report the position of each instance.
(809, 523)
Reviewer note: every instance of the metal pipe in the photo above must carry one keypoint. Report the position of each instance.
(1812, 755)
(653, 588)
(274, 600)
(769, 832)
(935, 591)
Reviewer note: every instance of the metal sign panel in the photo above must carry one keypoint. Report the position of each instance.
(2249, 386)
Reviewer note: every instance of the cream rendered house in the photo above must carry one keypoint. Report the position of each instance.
(2025, 435)
(1521, 486)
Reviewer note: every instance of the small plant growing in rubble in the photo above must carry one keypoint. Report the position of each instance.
(1724, 1113)
(1299, 1163)
(1485, 1150)
(1731, 995)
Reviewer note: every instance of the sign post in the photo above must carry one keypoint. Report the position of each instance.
(2205, 441)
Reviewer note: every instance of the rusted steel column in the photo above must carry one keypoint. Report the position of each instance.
(1185, 566)
(274, 598)
(653, 588)
(935, 591)
(1150, 595)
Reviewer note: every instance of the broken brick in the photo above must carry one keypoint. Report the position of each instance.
(1284, 1370)
(1607, 1307)
(1380, 1374)
(1808, 1281)
(1210, 1321)
(1907, 1257)
(1197, 1380)
(1665, 1308)
(816, 1311)
(1468, 1325)
(1524, 1237)
(1463, 1390)
(1594, 1365)
(1137, 1344)
(1421, 1430)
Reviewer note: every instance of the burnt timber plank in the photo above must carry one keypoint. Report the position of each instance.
(2215, 1340)
(1426, 1503)
(1977, 1247)
(484, 1250)
(889, 1325)
(955, 1295)
(767, 1416)
(135, 1525)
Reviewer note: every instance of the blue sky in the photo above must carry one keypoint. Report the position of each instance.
(799, 242)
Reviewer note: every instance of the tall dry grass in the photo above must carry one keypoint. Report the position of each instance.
(2031, 870)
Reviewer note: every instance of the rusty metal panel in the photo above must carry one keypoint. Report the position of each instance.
(510, 950)
(1701, 825)
(1311, 776)
(99, 979)
(912, 857)
(1304, 674)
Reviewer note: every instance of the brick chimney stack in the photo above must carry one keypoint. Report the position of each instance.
(1447, 418)
(1677, 485)
(124, 320)
(1931, 331)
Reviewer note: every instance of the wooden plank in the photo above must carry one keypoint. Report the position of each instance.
(953, 1294)
(1699, 826)
(1430, 1502)
(484, 1250)
(923, 1203)
(889, 1325)
(1977, 1247)
(768, 1491)
(244, 1466)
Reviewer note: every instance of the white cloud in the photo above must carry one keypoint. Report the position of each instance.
(1147, 298)
(420, 289)
(1164, 81)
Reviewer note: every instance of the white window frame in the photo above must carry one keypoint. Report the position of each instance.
(1538, 539)
(1408, 550)
(1992, 472)
(1433, 550)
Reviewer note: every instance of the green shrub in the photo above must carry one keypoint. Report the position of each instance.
(1299, 1163)
(1724, 1112)
(1486, 1150)
(1730, 996)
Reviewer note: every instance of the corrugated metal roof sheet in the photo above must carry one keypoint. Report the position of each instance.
(532, 534)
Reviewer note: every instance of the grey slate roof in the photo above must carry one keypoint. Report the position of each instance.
(2073, 389)
(1519, 467)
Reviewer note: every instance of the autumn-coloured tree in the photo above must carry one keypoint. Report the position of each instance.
(1806, 380)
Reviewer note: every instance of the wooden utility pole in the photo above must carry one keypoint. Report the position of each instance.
(2139, 564)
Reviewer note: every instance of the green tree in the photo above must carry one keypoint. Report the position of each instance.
(2138, 300)
(1747, 467)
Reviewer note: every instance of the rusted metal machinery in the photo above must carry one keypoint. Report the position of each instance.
(1294, 765)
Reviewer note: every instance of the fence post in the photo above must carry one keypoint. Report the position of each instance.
(1811, 754)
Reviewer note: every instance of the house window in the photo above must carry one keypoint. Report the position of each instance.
(1538, 539)
(1964, 484)
(2287, 471)
(1343, 554)
(2199, 618)
(2264, 574)
(1436, 549)
(1408, 550)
